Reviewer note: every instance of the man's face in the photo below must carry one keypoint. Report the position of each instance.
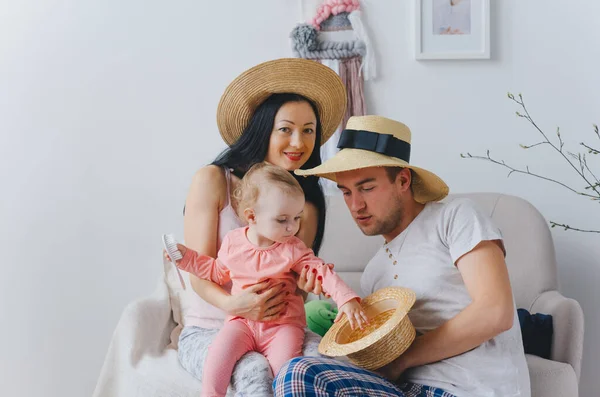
(373, 200)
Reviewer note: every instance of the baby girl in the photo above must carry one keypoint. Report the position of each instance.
(271, 201)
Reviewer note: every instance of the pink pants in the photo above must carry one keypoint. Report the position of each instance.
(277, 342)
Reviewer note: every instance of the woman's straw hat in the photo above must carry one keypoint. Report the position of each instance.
(375, 141)
(308, 78)
(387, 336)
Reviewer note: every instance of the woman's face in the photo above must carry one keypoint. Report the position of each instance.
(293, 136)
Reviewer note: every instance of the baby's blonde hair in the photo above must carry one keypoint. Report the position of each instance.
(260, 176)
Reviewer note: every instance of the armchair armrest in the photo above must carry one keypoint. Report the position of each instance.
(142, 331)
(567, 339)
(147, 323)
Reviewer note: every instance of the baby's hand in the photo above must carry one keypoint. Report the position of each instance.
(181, 249)
(355, 313)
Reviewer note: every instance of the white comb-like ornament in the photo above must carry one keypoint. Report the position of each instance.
(170, 245)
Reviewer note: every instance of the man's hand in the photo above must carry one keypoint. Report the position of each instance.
(393, 370)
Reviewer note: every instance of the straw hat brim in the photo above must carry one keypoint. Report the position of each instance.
(308, 78)
(385, 343)
(426, 187)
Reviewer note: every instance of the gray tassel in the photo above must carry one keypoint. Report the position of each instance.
(305, 44)
(304, 36)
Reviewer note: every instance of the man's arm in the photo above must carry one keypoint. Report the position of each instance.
(491, 312)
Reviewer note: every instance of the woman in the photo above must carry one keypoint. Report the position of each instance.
(281, 112)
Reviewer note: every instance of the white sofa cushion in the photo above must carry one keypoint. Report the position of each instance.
(551, 378)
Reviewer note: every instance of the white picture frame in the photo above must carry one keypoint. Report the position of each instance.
(452, 29)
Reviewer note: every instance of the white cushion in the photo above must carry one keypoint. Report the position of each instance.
(551, 378)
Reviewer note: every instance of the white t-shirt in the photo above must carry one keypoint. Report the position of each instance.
(423, 259)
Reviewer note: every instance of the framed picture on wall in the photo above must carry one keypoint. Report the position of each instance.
(452, 29)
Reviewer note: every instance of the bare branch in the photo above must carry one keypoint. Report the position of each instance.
(591, 150)
(534, 145)
(560, 141)
(596, 185)
(527, 116)
(526, 171)
(587, 168)
(577, 161)
(567, 227)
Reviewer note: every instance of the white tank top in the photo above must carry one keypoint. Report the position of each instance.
(195, 310)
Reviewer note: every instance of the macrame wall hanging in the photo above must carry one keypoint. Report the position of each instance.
(334, 35)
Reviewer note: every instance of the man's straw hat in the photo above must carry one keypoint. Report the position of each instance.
(387, 336)
(375, 141)
(308, 78)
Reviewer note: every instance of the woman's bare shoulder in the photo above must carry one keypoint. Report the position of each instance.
(210, 173)
(209, 181)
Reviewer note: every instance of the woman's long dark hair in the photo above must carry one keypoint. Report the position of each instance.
(253, 145)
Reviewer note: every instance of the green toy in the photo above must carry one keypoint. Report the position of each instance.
(319, 316)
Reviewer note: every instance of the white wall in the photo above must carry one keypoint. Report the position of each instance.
(107, 109)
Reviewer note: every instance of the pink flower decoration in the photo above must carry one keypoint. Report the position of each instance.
(334, 7)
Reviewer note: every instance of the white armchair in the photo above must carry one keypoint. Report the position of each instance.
(139, 363)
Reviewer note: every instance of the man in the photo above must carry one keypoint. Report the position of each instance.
(468, 337)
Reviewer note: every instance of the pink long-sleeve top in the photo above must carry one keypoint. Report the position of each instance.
(246, 264)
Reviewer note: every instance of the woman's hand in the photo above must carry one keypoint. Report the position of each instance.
(260, 302)
(309, 282)
(355, 313)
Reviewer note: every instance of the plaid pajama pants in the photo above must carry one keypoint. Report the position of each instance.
(324, 377)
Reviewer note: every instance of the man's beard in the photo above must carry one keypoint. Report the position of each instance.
(386, 225)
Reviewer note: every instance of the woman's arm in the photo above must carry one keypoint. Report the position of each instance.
(205, 200)
(490, 313)
(200, 227)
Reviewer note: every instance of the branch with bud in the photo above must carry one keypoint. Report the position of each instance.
(578, 162)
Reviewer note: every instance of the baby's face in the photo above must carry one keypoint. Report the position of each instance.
(278, 214)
